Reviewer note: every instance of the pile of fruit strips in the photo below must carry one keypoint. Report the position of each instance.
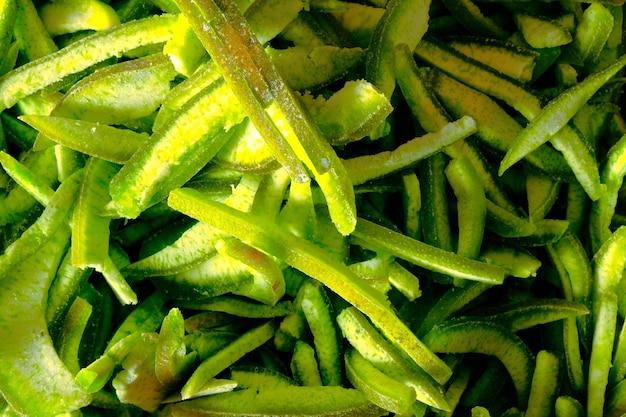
(312, 208)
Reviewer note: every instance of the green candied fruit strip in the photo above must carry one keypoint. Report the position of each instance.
(607, 265)
(168, 6)
(403, 22)
(359, 21)
(456, 388)
(63, 290)
(566, 406)
(121, 288)
(573, 354)
(510, 59)
(40, 73)
(193, 250)
(305, 30)
(90, 138)
(580, 156)
(613, 46)
(477, 75)
(120, 92)
(350, 113)
(601, 354)
(240, 307)
(522, 315)
(471, 206)
(69, 338)
(557, 113)
(69, 16)
(382, 390)
(215, 276)
(313, 261)
(90, 230)
(434, 213)
(375, 271)
(304, 365)
(246, 151)
(246, 191)
(516, 261)
(412, 202)
(291, 329)
(303, 402)
(68, 161)
(56, 215)
(570, 258)
(404, 281)
(259, 378)
(603, 209)
(425, 107)
(507, 224)
(195, 134)
(490, 339)
(592, 33)
(195, 245)
(547, 231)
(375, 237)
(33, 379)
(319, 315)
(9, 59)
(338, 190)
(327, 5)
(365, 168)
(541, 32)
(545, 385)
(479, 411)
(41, 103)
(207, 341)
(27, 179)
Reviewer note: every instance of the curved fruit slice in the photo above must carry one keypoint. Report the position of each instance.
(490, 339)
